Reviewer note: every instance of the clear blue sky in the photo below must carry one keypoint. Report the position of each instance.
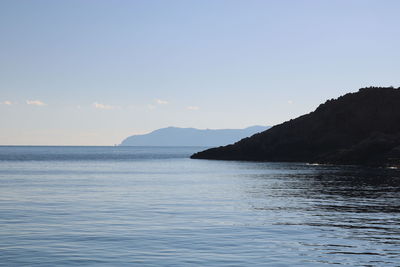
(94, 72)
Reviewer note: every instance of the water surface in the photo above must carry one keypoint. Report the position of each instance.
(153, 206)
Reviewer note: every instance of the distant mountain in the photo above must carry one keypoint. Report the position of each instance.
(360, 128)
(174, 136)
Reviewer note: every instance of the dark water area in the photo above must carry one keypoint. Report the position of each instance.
(153, 206)
(99, 153)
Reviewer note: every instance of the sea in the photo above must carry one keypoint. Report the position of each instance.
(154, 206)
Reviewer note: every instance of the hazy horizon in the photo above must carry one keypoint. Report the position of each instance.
(95, 72)
(150, 132)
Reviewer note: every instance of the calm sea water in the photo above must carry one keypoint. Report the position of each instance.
(143, 206)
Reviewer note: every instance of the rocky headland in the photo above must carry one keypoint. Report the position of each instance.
(361, 128)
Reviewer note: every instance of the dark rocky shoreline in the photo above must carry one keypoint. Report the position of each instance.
(361, 128)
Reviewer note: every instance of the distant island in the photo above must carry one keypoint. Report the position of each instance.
(361, 128)
(175, 136)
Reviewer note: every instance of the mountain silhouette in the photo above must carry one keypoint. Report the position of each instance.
(174, 136)
(361, 128)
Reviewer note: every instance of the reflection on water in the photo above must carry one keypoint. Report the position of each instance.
(156, 207)
(354, 210)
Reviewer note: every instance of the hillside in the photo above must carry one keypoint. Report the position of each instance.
(174, 136)
(357, 128)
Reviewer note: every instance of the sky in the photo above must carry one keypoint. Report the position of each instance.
(94, 72)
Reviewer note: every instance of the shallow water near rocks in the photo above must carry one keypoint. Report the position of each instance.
(153, 206)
